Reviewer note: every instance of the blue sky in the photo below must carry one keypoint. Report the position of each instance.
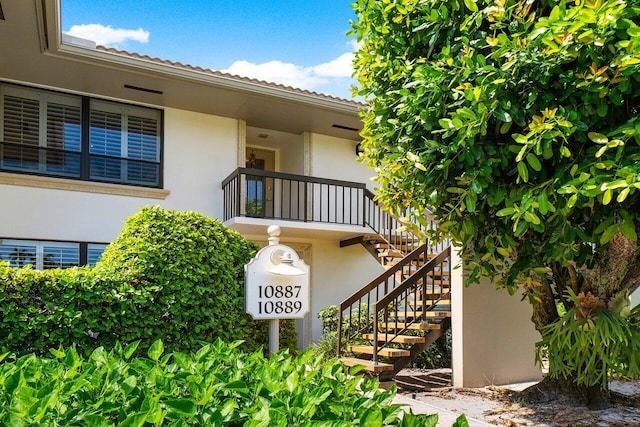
(298, 43)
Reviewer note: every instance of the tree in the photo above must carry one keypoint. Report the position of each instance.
(516, 123)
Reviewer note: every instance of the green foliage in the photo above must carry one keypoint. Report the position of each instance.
(515, 122)
(592, 346)
(171, 275)
(437, 355)
(329, 317)
(216, 385)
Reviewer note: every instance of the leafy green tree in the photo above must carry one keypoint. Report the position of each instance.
(516, 123)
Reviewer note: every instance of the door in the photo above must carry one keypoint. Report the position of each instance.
(260, 192)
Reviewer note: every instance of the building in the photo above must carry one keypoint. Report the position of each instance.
(89, 134)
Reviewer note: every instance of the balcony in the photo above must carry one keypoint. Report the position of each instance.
(303, 206)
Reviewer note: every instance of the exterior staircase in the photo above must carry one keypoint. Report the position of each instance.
(391, 320)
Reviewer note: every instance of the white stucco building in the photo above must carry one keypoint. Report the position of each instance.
(88, 135)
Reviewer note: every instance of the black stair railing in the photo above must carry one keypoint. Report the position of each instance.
(391, 229)
(355, 314)
(411, 301)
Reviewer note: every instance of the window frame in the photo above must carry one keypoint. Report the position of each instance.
(40, 244)
(85, 102)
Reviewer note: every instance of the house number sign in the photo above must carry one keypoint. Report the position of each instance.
(277, 284)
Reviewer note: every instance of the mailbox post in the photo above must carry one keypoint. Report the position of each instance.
(276, 286)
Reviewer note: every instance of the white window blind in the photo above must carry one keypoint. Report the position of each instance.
(17, 253)
(41, 132)
(129, 133)
(94, 252)
(21, 120)
(60, 255)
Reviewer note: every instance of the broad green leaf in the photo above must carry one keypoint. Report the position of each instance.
(623, 195)
(156, 350)
(137, 420)
(523, 172)
(130, 349)
(629, 230)
(373, 417)
(598, 138)
(471, 5)
(182, 407)
(543, 203)
(461, 421)
(606, 197)
(505, 212)
(532, 218)
(534, 162)
(470, 201)
(502, 115)
(609, 233)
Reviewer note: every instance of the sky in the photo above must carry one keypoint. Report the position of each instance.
(299, 43)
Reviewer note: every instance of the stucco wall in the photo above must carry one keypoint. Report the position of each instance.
(336, 158)
(199, 152)
(493, 336)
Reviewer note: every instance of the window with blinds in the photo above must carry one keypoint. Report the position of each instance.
(44, 255)
(42, 132)
(124, 143)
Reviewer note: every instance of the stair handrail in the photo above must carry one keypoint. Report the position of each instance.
(375, 215)
(366, 290)
(383, 303)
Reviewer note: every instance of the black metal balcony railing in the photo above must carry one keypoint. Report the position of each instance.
(274, 195)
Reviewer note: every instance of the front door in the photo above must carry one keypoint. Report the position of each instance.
(260, 189)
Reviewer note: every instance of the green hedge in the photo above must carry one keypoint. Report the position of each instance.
(175, 276)
(218, 386)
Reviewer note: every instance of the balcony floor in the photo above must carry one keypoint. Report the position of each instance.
(297, 229)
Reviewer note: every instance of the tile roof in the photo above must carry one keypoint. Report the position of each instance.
(221, 74)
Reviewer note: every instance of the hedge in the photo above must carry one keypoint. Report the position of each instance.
(175, 276)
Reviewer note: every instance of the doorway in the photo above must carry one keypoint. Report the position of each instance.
(260, 191)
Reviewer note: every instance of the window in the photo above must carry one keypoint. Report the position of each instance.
(45, 255)
(42, 132)
(124, 143)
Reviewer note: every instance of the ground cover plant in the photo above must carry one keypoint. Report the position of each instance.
(172, 275)
(216, 385)
(516, 123)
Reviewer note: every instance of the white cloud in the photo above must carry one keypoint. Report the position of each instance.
(108, 36)
(342, 66)
(278, 72)
(332, 77)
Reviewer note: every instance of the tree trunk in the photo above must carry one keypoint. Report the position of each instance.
(551, 389)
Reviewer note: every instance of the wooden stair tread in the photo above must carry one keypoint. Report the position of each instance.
(432, 313)
(414, 326)
(385, 351)
(429, 301)
(400, 247)
(396, 253)
(401, 339)
(368, 364)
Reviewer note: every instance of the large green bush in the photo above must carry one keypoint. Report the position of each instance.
(218, 385)
(172, 275)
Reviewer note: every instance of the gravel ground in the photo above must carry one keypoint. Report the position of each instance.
(495, 405)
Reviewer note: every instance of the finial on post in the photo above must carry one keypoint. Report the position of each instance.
(274, 235)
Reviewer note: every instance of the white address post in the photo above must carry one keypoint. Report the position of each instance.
(276, 286)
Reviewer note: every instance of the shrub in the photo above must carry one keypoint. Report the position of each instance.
(217, 385)
(171, 275)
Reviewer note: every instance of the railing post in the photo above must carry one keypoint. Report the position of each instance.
(375, 334)
(339, 331)
(238, 180)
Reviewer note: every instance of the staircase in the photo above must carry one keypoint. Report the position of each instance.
(395, 317)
